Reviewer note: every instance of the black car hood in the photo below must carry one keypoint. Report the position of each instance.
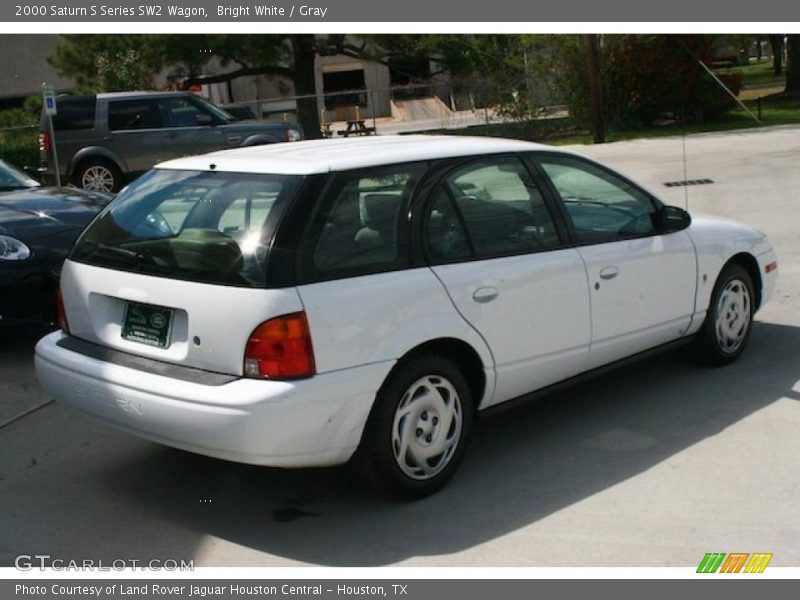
(32, 213)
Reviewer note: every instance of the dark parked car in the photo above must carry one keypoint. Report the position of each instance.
(38, 226)
(103, 141)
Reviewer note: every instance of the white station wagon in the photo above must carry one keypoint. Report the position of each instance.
(361, 300)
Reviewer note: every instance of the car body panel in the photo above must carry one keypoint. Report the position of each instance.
(537, 325)
(47, 220)
(312, 422)
(642, 293)
(716, 241)
(412, 296)
(95, 299)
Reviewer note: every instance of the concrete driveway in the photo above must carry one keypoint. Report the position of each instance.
(652, 465)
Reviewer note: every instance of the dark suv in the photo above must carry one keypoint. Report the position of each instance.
(107, 139)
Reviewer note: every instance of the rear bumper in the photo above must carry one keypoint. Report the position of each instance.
(312, 422)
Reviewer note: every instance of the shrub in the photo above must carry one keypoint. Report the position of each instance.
(20, 149)
(646, 78)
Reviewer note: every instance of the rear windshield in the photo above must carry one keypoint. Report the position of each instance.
(75, 112)
(210, 227)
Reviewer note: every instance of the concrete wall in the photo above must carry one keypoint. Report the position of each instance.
(24, 65)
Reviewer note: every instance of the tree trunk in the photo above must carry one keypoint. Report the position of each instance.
(592, 43)
(303, 49)
(793, 62)
(776, 43)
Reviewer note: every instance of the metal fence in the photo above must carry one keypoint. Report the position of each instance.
(397, 109)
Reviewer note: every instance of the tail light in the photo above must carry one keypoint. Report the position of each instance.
(45, 143)
(61, 314)
(280, 349)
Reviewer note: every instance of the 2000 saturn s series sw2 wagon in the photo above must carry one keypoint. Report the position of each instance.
(360, 300)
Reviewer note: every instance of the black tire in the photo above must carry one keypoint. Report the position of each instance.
(83, 175)
(375, 463)
(713, 346)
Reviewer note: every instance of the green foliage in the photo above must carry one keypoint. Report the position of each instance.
(122, 71)
(646, 79)
(20, 148)
(101, 63)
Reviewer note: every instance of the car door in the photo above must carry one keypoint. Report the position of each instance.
(134, 132)
(189, 128)
(495, 245)
(642, 280)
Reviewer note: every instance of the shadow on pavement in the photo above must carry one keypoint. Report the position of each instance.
(523, 465)
(19, 391)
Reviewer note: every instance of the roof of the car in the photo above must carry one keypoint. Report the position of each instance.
(106, 95)
(322, 156)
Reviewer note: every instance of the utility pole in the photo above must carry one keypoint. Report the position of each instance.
(592, 46)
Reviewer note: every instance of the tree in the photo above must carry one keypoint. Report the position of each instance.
(107, 63)
(793, 63)
(776, 43)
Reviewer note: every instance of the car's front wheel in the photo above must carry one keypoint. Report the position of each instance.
(417, 431)
(729, 320)
(99, 175)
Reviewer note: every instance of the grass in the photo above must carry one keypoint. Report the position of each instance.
(757, 74)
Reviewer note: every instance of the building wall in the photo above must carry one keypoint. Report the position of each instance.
(274, 96)
(24, 66)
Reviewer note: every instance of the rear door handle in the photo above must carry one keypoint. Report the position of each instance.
(609, 272)
(485, 294)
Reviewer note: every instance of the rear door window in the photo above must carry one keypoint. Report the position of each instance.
(126, 115)
(202, 226)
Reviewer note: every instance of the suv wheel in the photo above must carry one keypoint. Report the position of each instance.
(416, 434)
(99, 175)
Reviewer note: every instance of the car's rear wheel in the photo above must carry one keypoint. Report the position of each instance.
(98, 175)
(729, 320)
(417, 431)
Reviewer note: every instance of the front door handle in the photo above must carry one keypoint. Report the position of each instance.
(609, 272)
(485, 294)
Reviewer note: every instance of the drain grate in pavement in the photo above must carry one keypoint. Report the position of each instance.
(688, 182)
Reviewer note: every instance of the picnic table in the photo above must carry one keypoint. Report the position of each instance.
(356, 127)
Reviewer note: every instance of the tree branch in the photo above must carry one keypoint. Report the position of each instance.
(243, 72)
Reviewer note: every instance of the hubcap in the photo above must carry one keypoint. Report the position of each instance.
(98, 178)
(732, 319)
(427, 427)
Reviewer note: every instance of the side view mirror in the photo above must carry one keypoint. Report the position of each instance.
(204, 119)
(674, 219)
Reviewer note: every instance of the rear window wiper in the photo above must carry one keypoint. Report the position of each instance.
(138, 257)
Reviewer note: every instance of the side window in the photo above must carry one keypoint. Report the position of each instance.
(358, 227)
(602, 207)
(182, 112)
(500, 207)
(75, 113)
(132, 114)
